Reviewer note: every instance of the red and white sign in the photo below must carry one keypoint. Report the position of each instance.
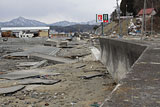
(99, 18)
(102, 18)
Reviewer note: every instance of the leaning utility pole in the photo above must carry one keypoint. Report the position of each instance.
(144, 19)
(118, 12)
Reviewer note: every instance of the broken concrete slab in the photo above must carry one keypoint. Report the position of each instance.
(92, 76)
(56, 43)
(53, 59)
(37, 81)
(39, 64)
(46, 50)
(79, 66)
(75, 52)
(22, 74)
(27, 64)
(11, 90)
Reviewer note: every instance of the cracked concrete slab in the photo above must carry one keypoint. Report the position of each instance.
(37, 81)
(22, 74)
(12, 89)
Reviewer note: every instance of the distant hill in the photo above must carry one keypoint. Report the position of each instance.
(63, 23)
(67, 23)
(62, 26)
(73, 28)
(92, 22)
(22, 22)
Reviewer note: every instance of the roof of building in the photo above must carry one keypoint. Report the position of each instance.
(24, 28)
(148, 11)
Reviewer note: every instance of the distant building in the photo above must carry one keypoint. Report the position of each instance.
(149, 12)
(25, 32)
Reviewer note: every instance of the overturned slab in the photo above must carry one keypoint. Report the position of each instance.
(22, 74)
(119, 56)
(37, 81)
(11, 90)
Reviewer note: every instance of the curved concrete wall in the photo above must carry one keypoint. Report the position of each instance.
(118, 56)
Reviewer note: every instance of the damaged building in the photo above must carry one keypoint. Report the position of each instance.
(25, 32)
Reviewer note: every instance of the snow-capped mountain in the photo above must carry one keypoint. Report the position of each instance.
(67, 23)
(63, 23)
(22, 22)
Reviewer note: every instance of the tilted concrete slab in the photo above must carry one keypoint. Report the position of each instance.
(93, 76)
(27, 74)
(53, 59)
(46, 50)
(37, 81)
(140, 87)
(39, 64)
(27, 64)
(11, 90)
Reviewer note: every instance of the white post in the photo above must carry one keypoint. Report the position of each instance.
(118, 9)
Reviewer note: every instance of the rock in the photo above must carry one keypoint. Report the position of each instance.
(22, 98)
(26, 102)
(46, 104)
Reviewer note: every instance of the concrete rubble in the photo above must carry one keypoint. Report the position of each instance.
(42, 72)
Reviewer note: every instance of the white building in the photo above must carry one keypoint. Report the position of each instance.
(25, 32)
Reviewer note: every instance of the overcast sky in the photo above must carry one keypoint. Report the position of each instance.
(50, 11)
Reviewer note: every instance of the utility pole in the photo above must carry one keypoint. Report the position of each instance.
(152, 22)
(127, 18)
(102, 29)
(118, 9)
(144, 19)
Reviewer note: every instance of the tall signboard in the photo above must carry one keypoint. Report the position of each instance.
(102, 18)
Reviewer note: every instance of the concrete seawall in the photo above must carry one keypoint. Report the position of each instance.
(119, 56)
